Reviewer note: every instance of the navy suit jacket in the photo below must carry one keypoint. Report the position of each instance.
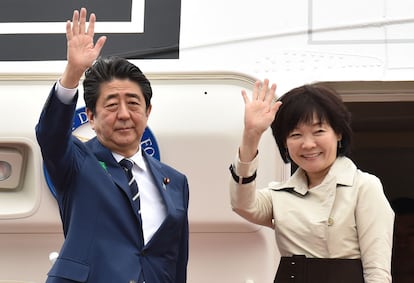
(102, 239)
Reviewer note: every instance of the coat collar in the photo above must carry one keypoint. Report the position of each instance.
(343, 172)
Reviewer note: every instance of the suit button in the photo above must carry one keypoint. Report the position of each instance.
(330, 221)
(132, 281)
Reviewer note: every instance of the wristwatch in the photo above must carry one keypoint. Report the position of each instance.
(242, 180)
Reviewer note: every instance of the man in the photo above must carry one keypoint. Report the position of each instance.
(111, 233)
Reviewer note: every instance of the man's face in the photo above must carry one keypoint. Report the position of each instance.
(121, 116)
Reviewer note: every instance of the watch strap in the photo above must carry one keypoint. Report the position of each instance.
(242, 180)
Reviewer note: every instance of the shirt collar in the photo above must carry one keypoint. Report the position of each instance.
(137, 158)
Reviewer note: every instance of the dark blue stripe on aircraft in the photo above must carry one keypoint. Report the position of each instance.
(20, 11)
(160, 39)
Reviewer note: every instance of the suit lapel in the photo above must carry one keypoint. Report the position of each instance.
(161, 180)
(109, 163)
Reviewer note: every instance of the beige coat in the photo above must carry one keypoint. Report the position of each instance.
(346, 216)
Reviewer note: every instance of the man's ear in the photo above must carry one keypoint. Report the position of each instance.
(149, 108)
(91, 117)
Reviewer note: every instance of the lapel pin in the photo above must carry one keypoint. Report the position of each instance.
(103, 165)
(165, 182)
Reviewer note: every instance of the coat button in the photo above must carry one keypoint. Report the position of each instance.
(330, 221)
(132, 281)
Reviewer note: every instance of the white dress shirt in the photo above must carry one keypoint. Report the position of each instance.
(346, 216)
(153, 210)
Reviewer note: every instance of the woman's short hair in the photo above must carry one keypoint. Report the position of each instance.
(301, 104)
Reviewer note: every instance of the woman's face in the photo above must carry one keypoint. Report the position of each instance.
(313, 147)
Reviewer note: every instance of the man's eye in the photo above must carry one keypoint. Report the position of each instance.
(134, 105)
(111, 106)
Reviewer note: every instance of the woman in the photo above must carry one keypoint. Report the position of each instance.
(332, 221)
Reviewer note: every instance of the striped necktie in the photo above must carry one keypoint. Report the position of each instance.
(127, 165)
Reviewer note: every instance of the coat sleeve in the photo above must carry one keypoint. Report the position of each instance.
(54, 135)
(375, 224)
(253, 205)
